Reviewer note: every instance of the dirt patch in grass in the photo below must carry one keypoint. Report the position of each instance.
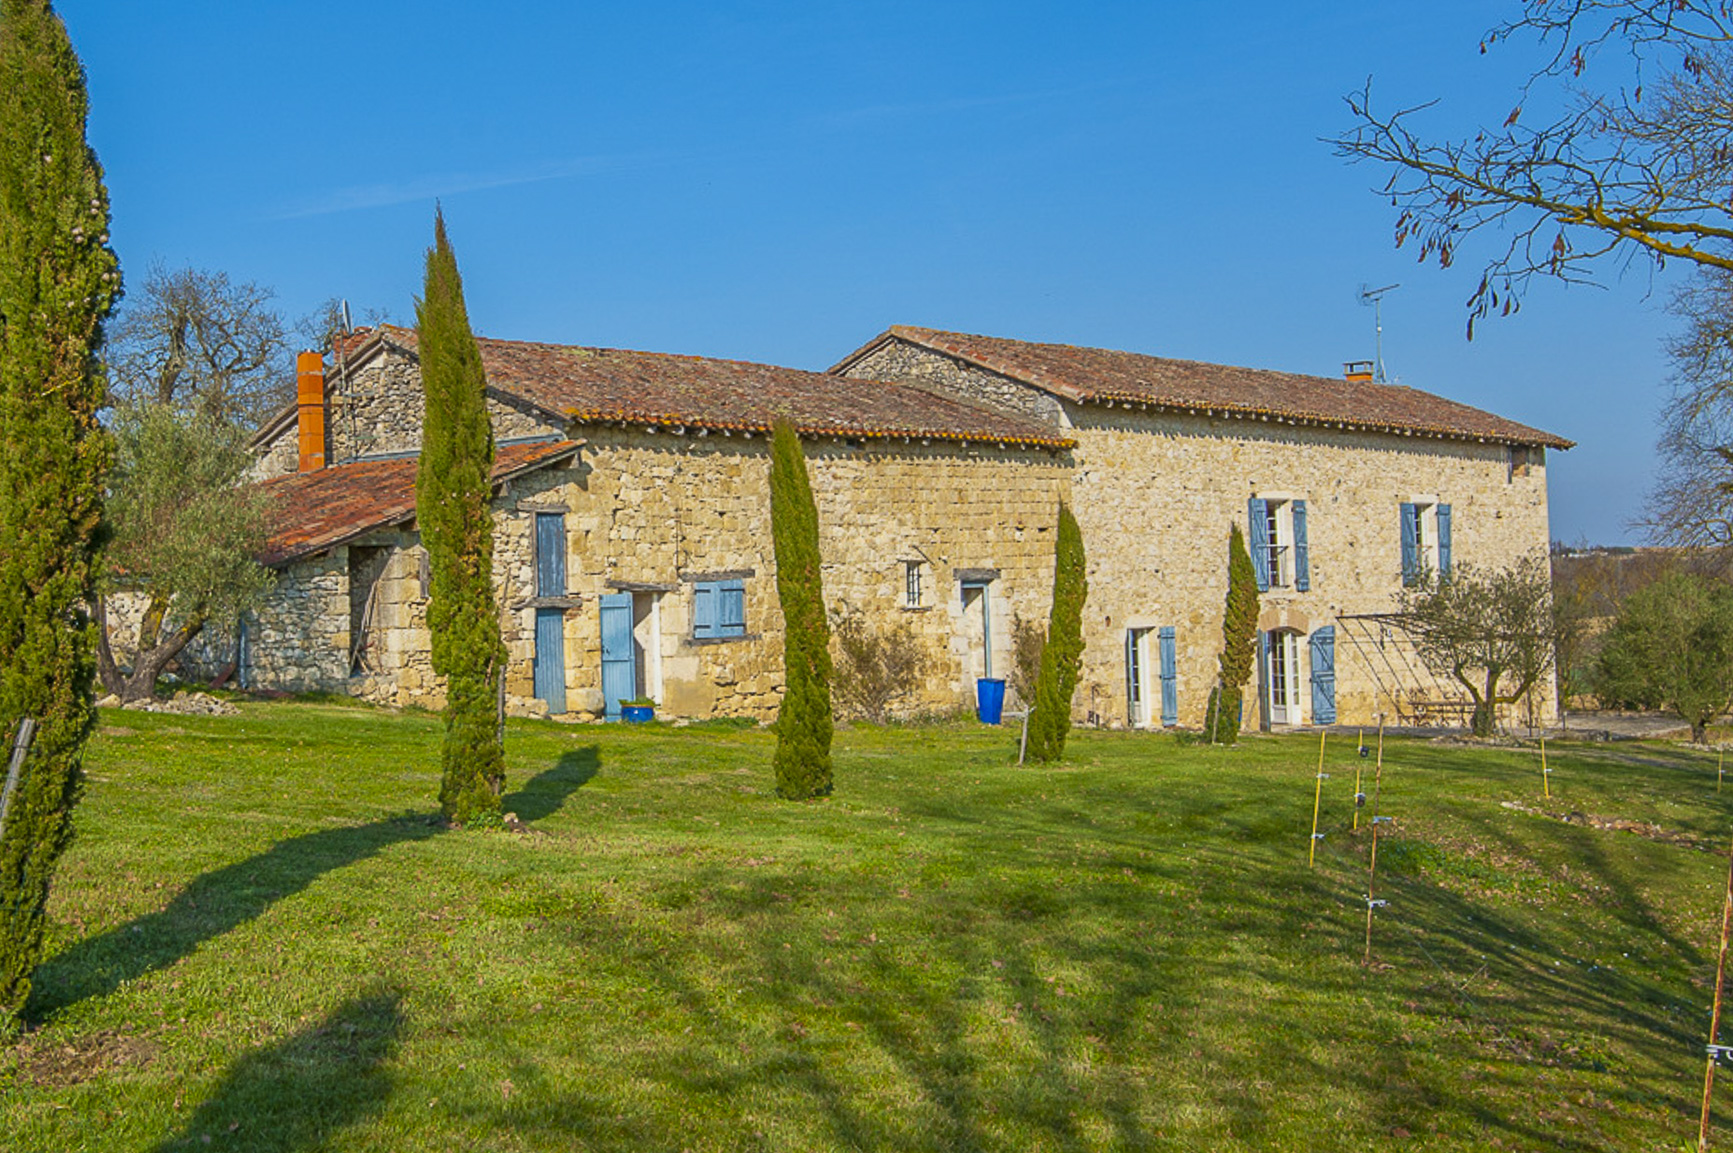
(1642, 829)
(59, 1063)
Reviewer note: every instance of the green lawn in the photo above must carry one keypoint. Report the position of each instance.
(263, 941)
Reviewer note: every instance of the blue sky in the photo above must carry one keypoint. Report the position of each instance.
(781, 181)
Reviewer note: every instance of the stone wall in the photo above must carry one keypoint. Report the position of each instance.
(298, 641)
(957, 379)
(1155, 494)
(375, 409)
(651, 514)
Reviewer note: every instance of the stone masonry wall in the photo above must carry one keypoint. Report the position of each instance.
(375, 409)
(298, 641)
(957, 379)
(653, 512)
(1155, 494)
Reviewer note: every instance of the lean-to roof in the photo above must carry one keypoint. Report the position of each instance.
(314, 511)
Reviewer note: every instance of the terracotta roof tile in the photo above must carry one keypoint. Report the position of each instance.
(604, 384)
(318, 510)
(1099, 375)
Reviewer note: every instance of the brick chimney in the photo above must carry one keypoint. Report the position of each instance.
(1357, 371)
(310, 407)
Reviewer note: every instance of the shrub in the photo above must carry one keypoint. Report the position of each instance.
(1672, 646)
(1028, 638)
(878, 667)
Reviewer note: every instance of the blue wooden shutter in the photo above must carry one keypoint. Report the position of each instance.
(704, 600)
(731, 608)
(1263, 680)
(1302, 563)
(550, 554)
(1169, 677)
(1323, 645)
(1257, 517)
(1410, 544)
(549, 669)
(1443, 540)
(619, 676)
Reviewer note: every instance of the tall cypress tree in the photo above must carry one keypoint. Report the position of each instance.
(1239, 640)
(451, 491)
(1050, 722)
(803, 725)
(58, 281)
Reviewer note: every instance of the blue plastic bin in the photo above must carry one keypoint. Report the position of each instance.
(989, 700)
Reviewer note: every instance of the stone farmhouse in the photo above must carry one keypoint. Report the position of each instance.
(632, 538)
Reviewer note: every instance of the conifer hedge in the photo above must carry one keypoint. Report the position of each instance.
(1239, 641)
(58, 281)
(452, 507)
(804, 724)
(1050, 722)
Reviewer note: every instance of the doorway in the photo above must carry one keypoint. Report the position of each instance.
(631, 649)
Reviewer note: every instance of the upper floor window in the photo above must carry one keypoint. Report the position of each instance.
(1280, 555)
(1425, 526)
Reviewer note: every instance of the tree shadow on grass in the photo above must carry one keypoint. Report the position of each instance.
(208, 907)
(543, 794)
(227, 898)
(298, 1093)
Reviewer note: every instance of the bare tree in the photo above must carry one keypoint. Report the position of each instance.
(1490, 630)
(203, 344)
(1621, 173)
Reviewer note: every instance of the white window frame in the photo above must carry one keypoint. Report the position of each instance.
(1138, 677)
(1426, 529)
(1279, 522)
(1284, 679)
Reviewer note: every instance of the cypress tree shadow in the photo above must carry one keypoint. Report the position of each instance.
(211, 905)
(298, 1093)
(543, 794)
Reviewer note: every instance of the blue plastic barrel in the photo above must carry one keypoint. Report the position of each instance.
(989, 699)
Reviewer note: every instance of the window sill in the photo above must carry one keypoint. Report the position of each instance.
(917, 608)
(700, 642)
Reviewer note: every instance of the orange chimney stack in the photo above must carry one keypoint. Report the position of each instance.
(1357, 371)
(310, 407)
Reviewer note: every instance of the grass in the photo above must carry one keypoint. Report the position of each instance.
(263, 941)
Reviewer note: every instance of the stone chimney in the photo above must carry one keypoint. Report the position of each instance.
(1357, 371)
(310, 407)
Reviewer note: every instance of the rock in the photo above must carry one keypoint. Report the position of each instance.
(108, 701)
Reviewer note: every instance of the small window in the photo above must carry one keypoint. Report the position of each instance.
(913, 593)
(1277, 542)
(718, 609)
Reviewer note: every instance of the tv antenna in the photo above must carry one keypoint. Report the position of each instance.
(1375, 297)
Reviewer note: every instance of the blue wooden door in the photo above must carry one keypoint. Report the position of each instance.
(550, 663)
(619, 680)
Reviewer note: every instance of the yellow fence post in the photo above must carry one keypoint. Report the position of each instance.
(1317, 800)
(1545, 773)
